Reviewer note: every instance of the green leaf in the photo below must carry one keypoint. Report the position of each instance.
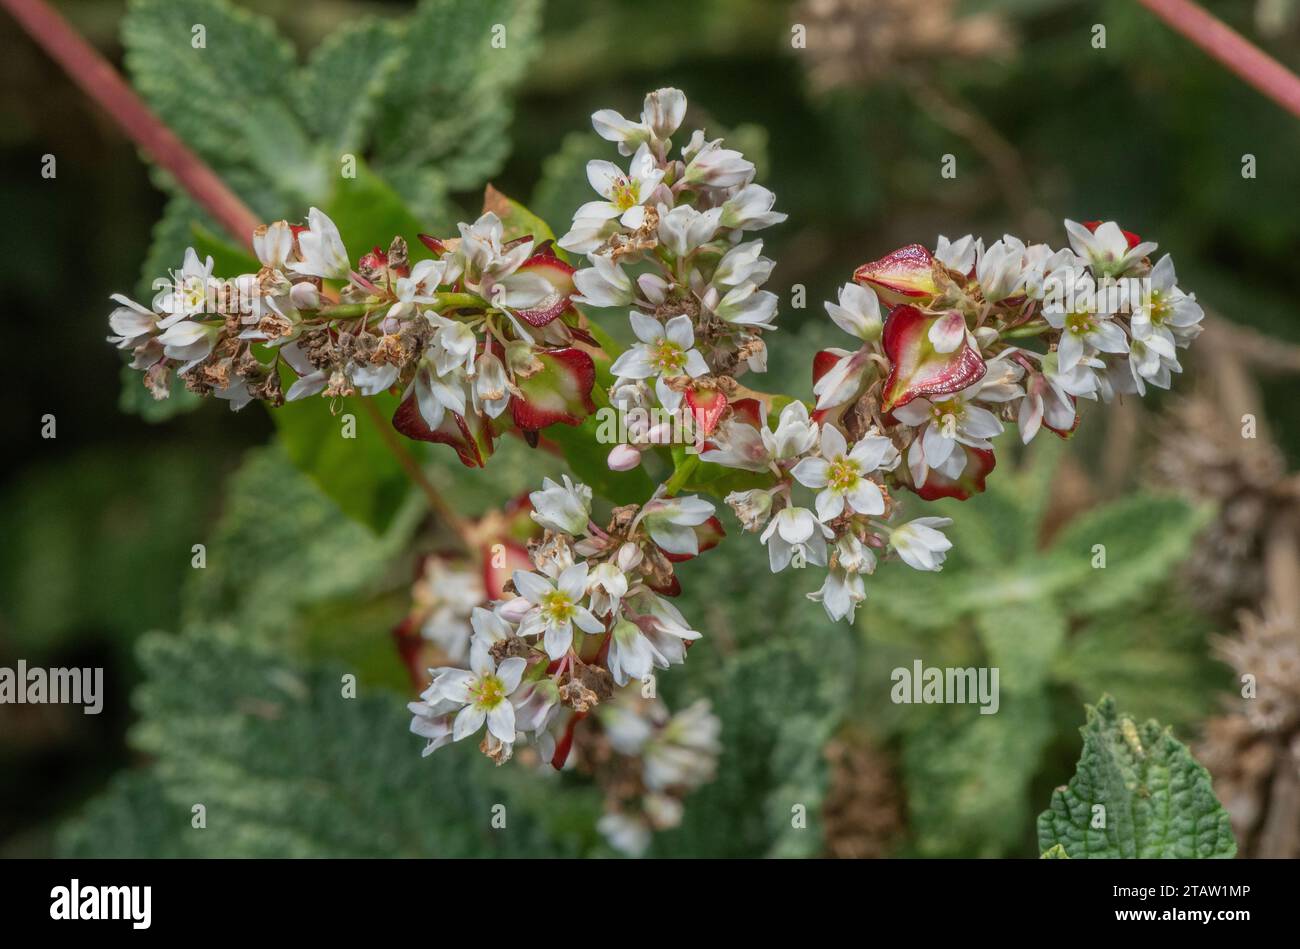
(1144, 538)
(360, 473)
(967, 775)
(339, 91)
(1056, 852)
(228, 97)
(280, 546)
(1021, 640)
(451, 110)
(1155, 799)
(369, 213)
(132, 819)
(286, 765)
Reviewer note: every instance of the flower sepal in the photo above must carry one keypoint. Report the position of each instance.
(916, 367)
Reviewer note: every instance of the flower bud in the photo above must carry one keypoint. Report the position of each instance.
(623, 458)
(629, 557)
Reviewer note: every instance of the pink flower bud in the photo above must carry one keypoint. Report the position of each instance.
(623, 458)
(512, 611)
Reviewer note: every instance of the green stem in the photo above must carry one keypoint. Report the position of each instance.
(682, 474)
(1023, 331)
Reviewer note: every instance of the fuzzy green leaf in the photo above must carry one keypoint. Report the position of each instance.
(1156, 798)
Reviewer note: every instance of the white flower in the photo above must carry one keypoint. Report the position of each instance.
(665, 351)
(750, 208)
(1044, 402)
(841, 473)
(920, 542)
(671, 522)
(491, 387)
(624, 194)
(685, 751)
(586, 234)
(663, 111)
(683, 229)
(858, 312)
(1153, 360)
(435, 393)
(1083, 315)
(627, 834)
(1000, 269)
(661, 116)
(738, 444)
(716, 167)
(485, 692)
(958, 255)
(418, 287)
(752, 507)
(603, 283)
(794, 434)
(488, 267)
(187, 292)
(189, 342)
(942, 427)
(840, 594)
(795, 531)
(1106, 248)
(273, 244)
(449, 597)
(562, 507)
(131, 322)
(556, 608)
(745, 305)
(631, 654)
(607, 585)
(1168, 312)
(536, 704)
(744, 263)
(322, 250)
(453, 346)
(844, 588)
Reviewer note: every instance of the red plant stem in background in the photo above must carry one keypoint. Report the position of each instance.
(99, 80)
(1232, 50)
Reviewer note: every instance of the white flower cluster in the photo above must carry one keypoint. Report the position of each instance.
(698, 310)
(589, 617)
(454, 331)
(676, 754)
(848, 520)
(918, 403)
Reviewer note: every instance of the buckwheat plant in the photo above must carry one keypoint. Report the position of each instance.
(481, 336)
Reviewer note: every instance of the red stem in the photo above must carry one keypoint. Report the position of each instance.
(101, 82)
(1232, 50)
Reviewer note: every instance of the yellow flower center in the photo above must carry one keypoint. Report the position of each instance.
(626, 194)
(488, 693)
(843, 474)
(557, 608)
(1078, 323)
(667, 356)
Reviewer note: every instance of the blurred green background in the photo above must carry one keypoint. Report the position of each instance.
(98, 523)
